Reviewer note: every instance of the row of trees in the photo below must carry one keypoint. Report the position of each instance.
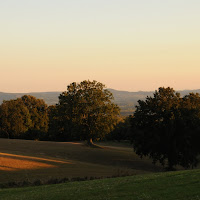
(165, 127)
(85, 112)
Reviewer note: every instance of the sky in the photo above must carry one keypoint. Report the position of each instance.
(126, 44)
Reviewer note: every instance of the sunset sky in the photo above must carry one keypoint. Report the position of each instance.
(128, 45)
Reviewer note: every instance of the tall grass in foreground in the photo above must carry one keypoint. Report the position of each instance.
(181, 185)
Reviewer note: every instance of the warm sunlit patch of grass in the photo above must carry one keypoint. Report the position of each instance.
(78, 143)
(34, 158)
(12, 162)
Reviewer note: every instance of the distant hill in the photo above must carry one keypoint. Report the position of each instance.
(50, 98)
(126, 100)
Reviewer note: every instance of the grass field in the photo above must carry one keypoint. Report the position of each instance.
(181, 185)
(31, 160)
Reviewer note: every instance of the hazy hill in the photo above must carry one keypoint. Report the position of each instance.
(126, 100)
(49, 97)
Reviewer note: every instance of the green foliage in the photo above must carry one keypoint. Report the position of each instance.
(24, 117)
(38, 110)
(166, 127)
(60, 126)
(121, 131)
(14, 118)
(86, 109)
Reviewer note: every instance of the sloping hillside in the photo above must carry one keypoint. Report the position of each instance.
(25, 159)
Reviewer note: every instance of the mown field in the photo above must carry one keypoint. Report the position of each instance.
(32, 160)
(181, 185)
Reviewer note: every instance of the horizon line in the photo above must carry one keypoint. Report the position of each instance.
(105, 88)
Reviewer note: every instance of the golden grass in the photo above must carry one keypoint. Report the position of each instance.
(35, 158)
(12, 162)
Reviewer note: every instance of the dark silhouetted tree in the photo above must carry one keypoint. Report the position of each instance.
(122, 130)
(165, 127)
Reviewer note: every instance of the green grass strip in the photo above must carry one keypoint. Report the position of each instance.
(181, 185)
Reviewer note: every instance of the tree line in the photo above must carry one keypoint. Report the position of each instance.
(164, 127)
(85, 112)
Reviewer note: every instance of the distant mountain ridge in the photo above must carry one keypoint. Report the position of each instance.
(50, 98)
(126, 100)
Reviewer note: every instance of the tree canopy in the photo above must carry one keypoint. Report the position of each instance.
(88, 110)
(14, 118)
(25, 117)
(166, 127)
(38, 112)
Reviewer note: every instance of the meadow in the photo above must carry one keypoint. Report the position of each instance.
(27, 160)
(181, 185)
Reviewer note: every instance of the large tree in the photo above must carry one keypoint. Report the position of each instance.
(14, 118)
(166, 128)
(88, 107)
(25, 117)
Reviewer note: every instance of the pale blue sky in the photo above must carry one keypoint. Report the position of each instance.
(126, 44)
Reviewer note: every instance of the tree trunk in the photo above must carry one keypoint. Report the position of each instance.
(90, 142)
(172, 157)
(170, 167)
